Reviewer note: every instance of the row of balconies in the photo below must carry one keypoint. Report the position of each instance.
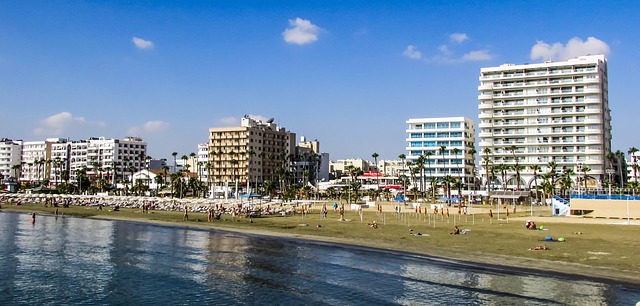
(508, 75)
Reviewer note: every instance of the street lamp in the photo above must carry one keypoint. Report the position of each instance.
(610, 172)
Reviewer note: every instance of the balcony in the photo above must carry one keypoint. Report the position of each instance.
(485, 87)
(485, 97)
(485, 106)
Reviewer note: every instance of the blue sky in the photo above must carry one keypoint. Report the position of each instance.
(347, 73)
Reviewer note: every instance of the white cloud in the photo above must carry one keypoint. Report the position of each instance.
(142, 43)
(301, 32)
(412, 52)
(459, 37)
(150, 127)
(478, 55)
(233, 121)
(228, 121)
(575, 47)
(57, 125)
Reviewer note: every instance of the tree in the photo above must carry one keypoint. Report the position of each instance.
(634, 159)
(487, 161)
(619, 158)
(175, 163)
(455, 152)
(473, 152)
(503, 168)
(536, 170)
(585, 176)
(552, 173)
(517, 168)
(404, 186)
(375, 161)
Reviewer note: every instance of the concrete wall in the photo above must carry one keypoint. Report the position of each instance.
(607, 208)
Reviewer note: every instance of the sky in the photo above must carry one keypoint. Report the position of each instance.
(346, 73)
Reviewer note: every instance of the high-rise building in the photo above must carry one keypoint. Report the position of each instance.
(553, 117)
(445, 146)
(250, 153)
(10, 155)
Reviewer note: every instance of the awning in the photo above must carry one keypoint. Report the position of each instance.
(509, 194)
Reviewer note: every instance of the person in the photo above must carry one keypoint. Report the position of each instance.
(186, 214)
(342, 212)
(33, 218)
(324, 210)
(531, 225)
(335, 206)
(456, 231)
(373, 224)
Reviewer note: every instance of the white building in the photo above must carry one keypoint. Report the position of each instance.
(116, 159)
(535, 114)
(10, 156)
(447, 146)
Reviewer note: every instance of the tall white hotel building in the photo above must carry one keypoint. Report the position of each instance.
(551, 112)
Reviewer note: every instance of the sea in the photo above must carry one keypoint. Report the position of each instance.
(81, 261)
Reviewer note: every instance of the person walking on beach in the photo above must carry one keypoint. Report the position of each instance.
(342, 212)
(186, 214)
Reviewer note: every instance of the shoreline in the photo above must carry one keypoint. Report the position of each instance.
(474, 259)
(570, 271)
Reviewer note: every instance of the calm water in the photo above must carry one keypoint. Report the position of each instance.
(82, 261)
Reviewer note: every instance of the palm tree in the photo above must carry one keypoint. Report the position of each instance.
(517, 168)
(175, 164)
(473, 152)
(419, 171)
(404, 186)
(620, 157)
(487, 160)
(535, 169)
(427, 159)
(455, 152)
(632, 153)
(585, 176)
(552, 173)
(375, 161)
(503, 168)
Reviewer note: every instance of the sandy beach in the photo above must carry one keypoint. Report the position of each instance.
(606, 250)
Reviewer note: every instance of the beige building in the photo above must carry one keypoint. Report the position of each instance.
(249, 153)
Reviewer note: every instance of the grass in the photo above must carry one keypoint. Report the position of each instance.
(602, 250)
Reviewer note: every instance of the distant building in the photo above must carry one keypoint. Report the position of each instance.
(337, 168)
(447, 147)
(10, 158)
(250, 153)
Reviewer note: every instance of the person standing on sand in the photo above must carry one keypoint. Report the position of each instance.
(342, 212)
(186, 214)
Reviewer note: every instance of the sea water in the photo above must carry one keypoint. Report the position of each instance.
(70, 261)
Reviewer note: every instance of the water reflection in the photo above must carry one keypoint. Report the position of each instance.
(78, 261)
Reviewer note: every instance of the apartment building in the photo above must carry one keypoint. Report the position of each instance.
(250, 153)
(447, 146)
(58, 159)
(546, 114)
(10, 155)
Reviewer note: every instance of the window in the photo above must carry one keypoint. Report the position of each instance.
(416, 144)
(455, 125)
(429, 125)
(429, 143)
(429, 135)
(443, 125)
(416, 135)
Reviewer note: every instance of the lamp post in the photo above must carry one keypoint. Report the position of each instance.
(610, 172)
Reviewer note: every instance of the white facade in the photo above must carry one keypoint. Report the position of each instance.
(116, 158)
(34, 155)
(549, 112)
(446, 144)
(10, 156)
